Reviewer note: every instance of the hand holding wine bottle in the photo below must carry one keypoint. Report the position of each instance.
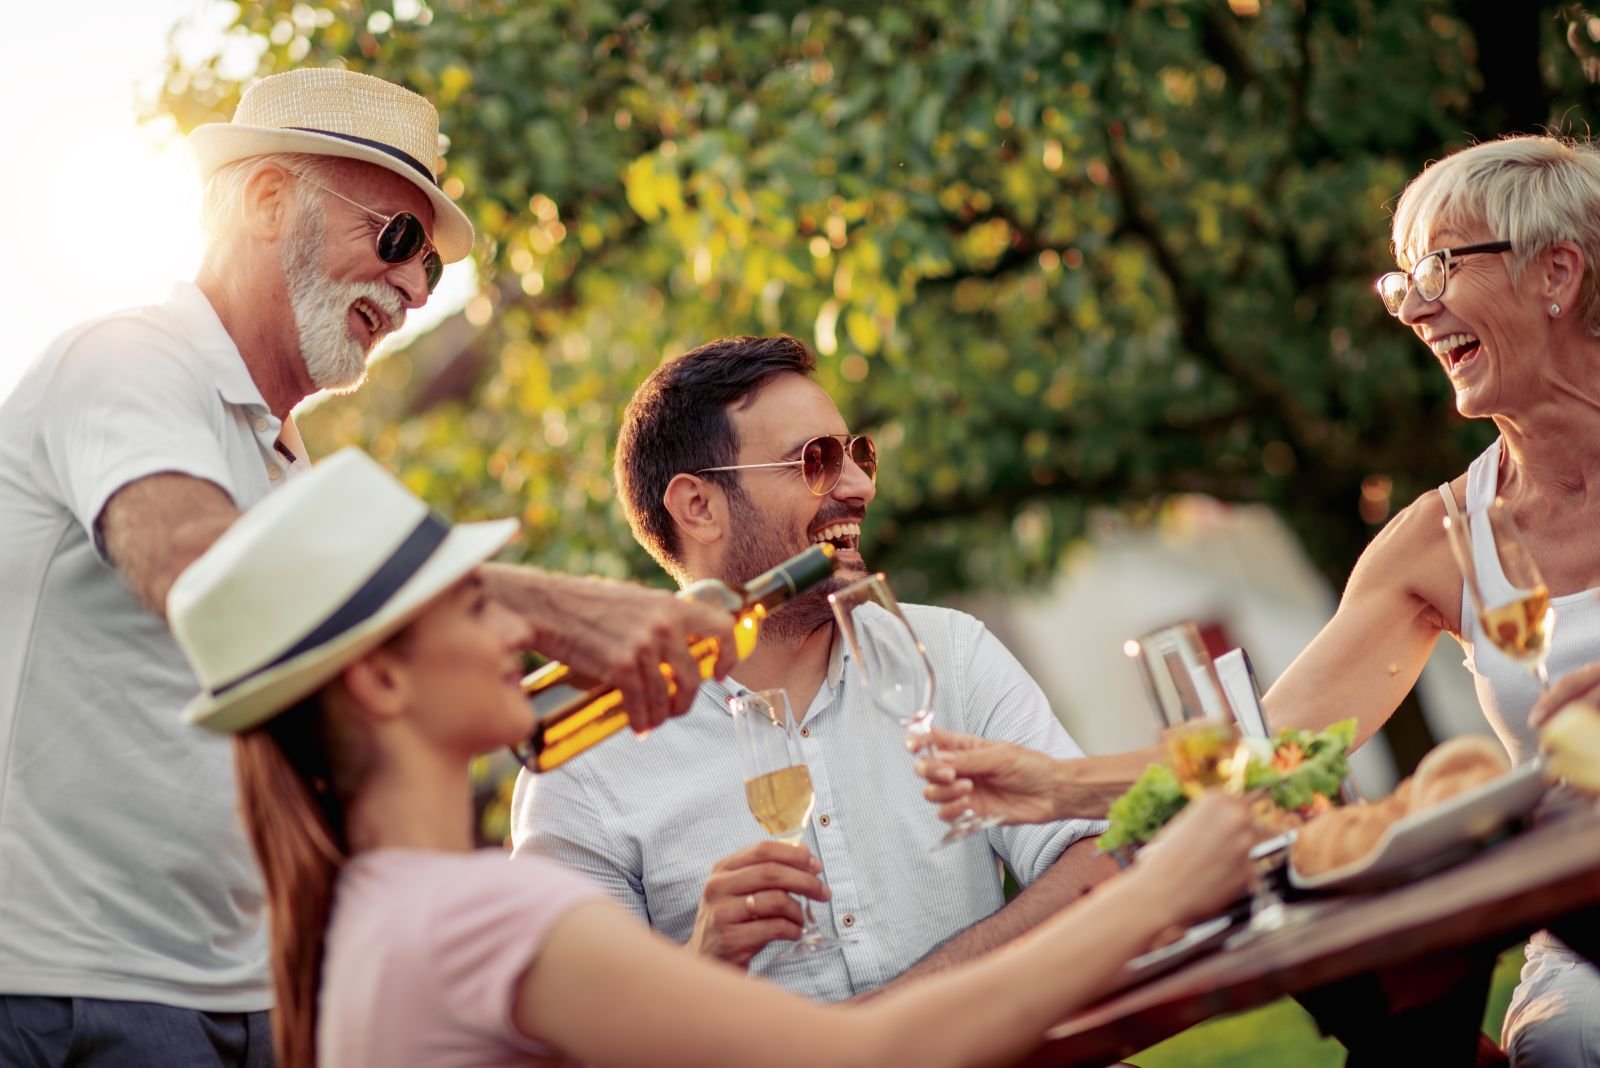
(574, 710)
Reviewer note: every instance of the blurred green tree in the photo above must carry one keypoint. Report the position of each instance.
(1056, 254)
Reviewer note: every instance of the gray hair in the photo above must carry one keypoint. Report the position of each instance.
(224, 190)
(1530, 190)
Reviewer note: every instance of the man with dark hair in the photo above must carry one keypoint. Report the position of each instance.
(730, 459)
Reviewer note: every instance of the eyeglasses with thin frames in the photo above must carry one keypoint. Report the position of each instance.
(821, 461)
(1430, 275)
(401, 238)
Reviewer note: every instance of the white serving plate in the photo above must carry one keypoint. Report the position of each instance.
(1437, 836)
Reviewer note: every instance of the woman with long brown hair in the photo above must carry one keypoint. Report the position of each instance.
(359, 694)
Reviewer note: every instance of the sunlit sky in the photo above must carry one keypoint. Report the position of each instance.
(102, 212)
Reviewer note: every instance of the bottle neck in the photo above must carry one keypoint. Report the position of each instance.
(773, 588)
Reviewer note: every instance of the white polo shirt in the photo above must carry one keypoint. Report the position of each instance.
(125, 872)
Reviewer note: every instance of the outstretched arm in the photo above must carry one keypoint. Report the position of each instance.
(680, 1010)
(1022, 785)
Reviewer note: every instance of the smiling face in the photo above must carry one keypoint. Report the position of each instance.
(343, 296)
(462, 660)
(775, 516)
(1485, 328)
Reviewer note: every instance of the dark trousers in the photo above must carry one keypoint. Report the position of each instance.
(44, 1032)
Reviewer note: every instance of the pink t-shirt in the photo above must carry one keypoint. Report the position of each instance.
(423, 952)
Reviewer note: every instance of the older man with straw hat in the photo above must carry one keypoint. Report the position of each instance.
(130, 906)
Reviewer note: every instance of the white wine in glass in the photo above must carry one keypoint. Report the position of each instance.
(1206, 753)
(1508, 594)
(778, 789)
(781, 802)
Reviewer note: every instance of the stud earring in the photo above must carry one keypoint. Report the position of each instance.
(1555, 311)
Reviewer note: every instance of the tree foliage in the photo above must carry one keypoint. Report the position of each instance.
(1056, 254)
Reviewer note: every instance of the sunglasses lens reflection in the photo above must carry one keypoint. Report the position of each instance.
(865, 455)
(402, 238)
(824, 460)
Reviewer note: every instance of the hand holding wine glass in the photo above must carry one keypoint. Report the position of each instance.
(778, 789)
(1507, 592)
(1006, 782)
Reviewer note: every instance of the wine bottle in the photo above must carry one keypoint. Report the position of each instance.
(573, 711)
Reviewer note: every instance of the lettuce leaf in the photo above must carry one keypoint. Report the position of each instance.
(1155, 797)
(1144, 809)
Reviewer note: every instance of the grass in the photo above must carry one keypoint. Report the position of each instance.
(1283, 1034)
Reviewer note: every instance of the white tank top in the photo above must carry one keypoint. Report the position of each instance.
(1506, 689)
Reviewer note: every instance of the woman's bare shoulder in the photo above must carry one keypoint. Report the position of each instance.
(1412, 553)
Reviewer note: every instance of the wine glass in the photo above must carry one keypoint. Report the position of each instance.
(1179, 676)
(1504, 584)
(1206, 753)
(894, 667)
(777, 787)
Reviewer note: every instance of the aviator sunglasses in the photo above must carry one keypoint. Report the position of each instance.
(821, 461)
(400, 239)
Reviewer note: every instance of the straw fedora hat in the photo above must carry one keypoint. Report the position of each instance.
(332, 112)
(314, 576)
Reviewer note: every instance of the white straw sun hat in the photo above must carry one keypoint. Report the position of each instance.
(314, 576)
(333, 112)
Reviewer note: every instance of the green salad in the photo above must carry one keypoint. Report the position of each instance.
(1299, 770)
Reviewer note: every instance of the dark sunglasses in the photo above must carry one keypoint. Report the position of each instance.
(400, 240)
(822, 461)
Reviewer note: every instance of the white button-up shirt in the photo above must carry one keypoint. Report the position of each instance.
(648, 819)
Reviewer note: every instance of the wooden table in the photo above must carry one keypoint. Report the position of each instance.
(1399, 975)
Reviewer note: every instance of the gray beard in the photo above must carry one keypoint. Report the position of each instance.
(321, 307)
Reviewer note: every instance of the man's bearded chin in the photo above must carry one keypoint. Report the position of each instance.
(754, 549)
(334, 360)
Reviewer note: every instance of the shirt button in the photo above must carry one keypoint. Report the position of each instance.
(261, 422)
(849, 919)
(805, 732)
(273, 473)
(824, 819)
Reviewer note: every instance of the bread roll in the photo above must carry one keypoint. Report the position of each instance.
(1456, 766)
(1340, 837)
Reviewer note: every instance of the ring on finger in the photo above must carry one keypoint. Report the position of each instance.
(750, 906)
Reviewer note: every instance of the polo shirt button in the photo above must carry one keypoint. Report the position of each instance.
(261, 422)
(849, 919)
(805, 732)
(273, 472)
(824, 819)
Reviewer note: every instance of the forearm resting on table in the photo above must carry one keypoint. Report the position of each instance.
(1079, 869)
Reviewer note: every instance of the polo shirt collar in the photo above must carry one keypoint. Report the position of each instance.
(211, 342)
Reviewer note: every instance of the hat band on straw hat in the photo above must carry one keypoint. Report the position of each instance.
(373, 594)
(389, 150)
